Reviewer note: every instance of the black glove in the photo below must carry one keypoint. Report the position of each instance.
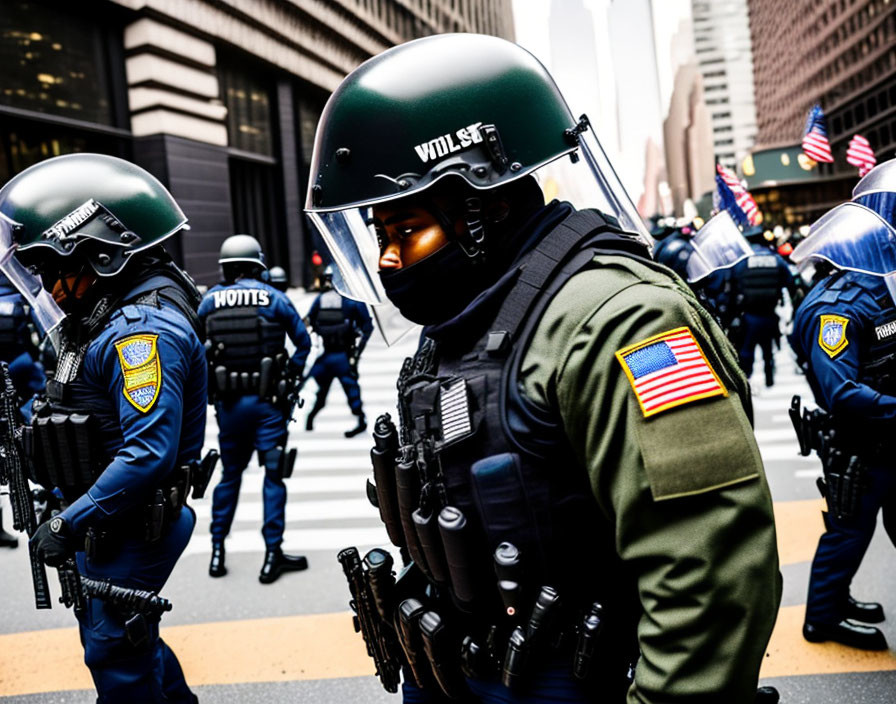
(53, 542)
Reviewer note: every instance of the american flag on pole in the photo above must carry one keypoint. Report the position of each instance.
(742, 198)
(860, 154)
(669, 370)
(815, 137)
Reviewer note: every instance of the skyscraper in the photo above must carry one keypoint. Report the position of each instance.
(724, 58)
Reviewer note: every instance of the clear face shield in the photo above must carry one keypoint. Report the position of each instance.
(851, 237)
(719, 244)
(583, 176)
(44, 309)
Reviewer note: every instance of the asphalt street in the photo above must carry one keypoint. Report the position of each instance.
(292, 641)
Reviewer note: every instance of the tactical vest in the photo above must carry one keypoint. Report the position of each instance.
(878, 368)
(337, 333)
(68, 445)
(245, 351)
(483, 490)
(759, 284)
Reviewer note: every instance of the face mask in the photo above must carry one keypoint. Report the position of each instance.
(437, 287)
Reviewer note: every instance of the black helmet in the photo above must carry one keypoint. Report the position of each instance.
(241, 249)
(277, 278)
(476, 108)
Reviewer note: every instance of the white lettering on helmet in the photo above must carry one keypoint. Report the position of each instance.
(446, 144)
(73, 220)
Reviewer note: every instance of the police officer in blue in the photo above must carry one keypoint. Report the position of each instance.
(344, 326)
(278, 279)
(757, 285)
(252, 383)
(123, 420)
(845, 330)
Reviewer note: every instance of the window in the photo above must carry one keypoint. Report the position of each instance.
(54, 63)
(248, 102)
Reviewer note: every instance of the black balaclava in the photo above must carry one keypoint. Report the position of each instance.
(442, 284)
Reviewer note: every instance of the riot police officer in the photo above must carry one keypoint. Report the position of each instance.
(571, 527)
(123, 420)
(252, 384)
(278, 279)
(344, 327)
(846, 331)
(757, 286)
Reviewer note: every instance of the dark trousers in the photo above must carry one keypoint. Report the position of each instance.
(335, 365)
(246, 425)
(124, 673)
(843, 545)
(761, 330)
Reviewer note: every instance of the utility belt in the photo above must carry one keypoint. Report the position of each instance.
(151, 521)
(405, 623)
(269, 381)
(845, 471)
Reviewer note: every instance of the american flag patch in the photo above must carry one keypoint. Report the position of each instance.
(669, 370)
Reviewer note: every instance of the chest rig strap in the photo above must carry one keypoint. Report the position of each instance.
(570, 246)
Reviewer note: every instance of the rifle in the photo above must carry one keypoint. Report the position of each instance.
(13, 474)
(380, 639)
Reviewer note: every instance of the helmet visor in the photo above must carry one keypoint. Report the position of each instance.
(719, 244)
(850, 237)
(881, 178)
(583, 176)
(43, 308)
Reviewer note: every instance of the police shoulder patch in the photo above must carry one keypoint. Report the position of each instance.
(832, 334)
(141, 370)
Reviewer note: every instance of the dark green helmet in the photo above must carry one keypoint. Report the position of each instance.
(472, 105)
(95, 206)
(241, 249)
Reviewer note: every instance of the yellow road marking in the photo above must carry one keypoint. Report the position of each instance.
(799, 525)
(311, 647)
(789, 654)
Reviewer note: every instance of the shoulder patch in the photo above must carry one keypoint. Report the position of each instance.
(141, 370)
(669, 370)
(832, 334)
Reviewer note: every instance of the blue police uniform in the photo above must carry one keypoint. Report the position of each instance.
(143, 379)
(757, 284)
(26, 372)
(344, 326)
(245, 323)
(846, 331)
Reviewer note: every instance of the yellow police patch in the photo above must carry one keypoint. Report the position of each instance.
(141, 370)
(832, 334)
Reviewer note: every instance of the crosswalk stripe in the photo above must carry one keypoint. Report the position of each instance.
(331, 539)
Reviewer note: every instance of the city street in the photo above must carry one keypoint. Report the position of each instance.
(240, 641)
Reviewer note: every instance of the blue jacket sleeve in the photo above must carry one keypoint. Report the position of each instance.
(837, 377)
(150, 438)
(361, 320)
(291, 321)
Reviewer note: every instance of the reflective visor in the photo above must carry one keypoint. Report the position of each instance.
(850, 237)
(43, 308)
(882, 178)
(719, 244)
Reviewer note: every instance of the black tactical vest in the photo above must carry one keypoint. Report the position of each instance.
(481, 468)
(337, 333)
(759, 283)
(878, 368)
(245, 351)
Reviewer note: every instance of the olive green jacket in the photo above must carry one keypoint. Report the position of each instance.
(683, 489)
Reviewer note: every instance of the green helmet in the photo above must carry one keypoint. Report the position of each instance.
(470, 106)
(241, 249)
(93, 206)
